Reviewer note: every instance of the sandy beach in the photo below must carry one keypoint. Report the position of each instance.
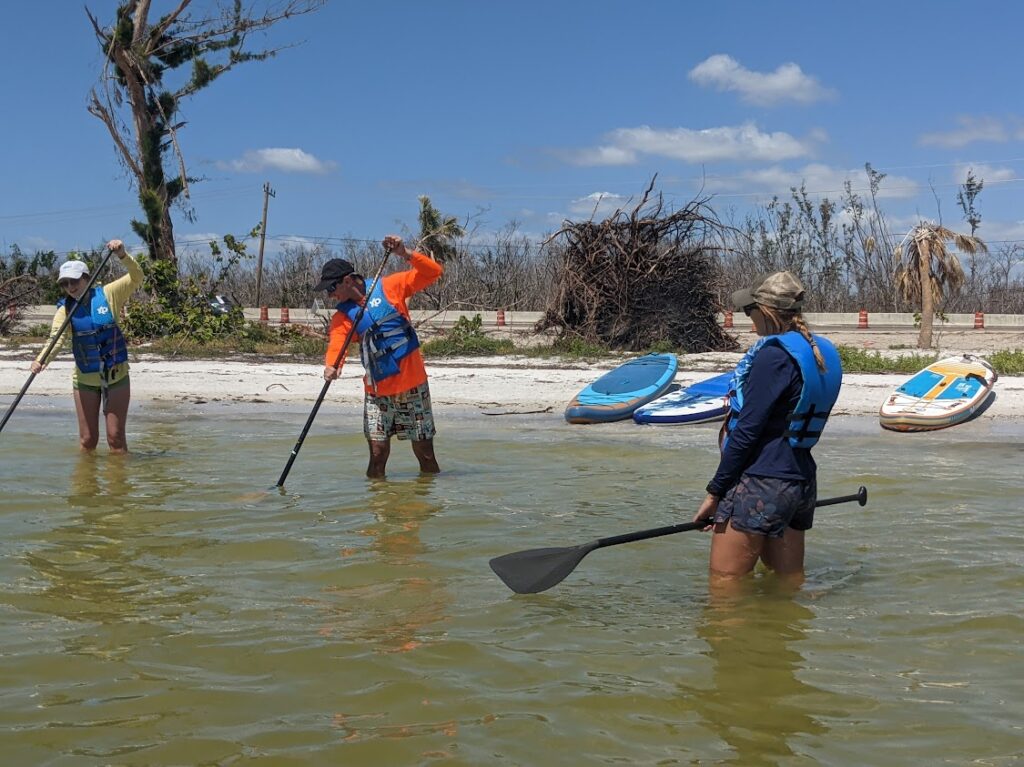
(488, 385)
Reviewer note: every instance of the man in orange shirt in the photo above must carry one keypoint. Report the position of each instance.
(397, 400)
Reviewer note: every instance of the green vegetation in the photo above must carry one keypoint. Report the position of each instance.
(860, 361)
(42, 330)
(467, 339)
(1009, 363)
(569, 348)
(251, 339)
(664, 347)
(168, 59)
(180, 306)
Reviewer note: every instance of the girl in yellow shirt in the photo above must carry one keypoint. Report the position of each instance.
(101, 355)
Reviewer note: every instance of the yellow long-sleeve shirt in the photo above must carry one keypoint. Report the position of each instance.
(117, 292)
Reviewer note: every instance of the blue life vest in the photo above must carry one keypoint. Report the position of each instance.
(817, 396)
(96, 341)
(386, 337)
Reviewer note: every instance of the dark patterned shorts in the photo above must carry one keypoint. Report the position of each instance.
(768, 505)
(407, 415)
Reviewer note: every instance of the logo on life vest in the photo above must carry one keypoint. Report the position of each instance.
(375, 302)
(102, 310)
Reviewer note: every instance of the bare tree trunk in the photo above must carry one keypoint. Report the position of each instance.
(924, 339)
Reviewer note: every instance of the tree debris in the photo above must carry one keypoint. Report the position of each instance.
(641, 278)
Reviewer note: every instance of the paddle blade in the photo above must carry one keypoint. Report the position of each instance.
(535, 570)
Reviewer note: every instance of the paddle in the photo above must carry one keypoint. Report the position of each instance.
(535, 570)
(56, 338)
(327, 383)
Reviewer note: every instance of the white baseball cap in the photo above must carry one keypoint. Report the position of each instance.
(72, 270)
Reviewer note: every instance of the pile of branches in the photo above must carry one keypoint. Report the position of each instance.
(15, 293)
(641, 278)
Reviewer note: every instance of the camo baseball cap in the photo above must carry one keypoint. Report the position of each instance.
(781, 290)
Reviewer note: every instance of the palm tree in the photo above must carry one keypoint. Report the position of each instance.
(437, 231)
(926, 270)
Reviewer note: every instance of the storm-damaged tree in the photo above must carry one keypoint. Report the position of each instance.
(140, 107)
(965, 197)
(438, 235)
(438, 232)
(640, 279)
(926, 270)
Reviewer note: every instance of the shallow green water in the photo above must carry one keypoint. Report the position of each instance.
(156, 612)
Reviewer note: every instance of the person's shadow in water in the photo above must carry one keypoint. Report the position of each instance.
(390, 599)
(756, 702)
(104, 565)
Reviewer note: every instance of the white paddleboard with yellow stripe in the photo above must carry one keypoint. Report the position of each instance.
(947, 392)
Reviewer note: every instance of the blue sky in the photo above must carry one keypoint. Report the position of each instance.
(533, 111)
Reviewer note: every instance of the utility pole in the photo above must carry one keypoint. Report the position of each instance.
(267, 194)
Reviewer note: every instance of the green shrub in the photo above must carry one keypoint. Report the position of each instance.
(1008, 363)
(309, 346)
(861, 361)
(39, 330)
(664, 347)
(570, 348)
(466, 339)
(181, 307)
(251, 338)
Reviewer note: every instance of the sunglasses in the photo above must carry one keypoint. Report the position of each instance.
(66, 283)
(330, 288)
(749, 308)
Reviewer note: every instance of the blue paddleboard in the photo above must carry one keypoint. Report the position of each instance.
(615, 395)
(704, 401)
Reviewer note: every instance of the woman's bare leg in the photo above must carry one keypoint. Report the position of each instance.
(733, 556)
(785, 556)
(117, 417)
(87, 406)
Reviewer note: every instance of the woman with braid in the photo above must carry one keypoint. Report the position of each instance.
(761, 499)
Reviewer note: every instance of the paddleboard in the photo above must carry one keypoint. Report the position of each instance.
(703, 401)
(615, 395)
(945, 393)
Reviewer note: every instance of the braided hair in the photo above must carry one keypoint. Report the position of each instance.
(784, 320)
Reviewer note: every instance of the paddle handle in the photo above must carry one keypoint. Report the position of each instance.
(861, 497)
(657, 532)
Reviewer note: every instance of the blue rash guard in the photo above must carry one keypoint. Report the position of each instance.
(757, 445)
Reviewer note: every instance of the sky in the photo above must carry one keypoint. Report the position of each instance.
(532, 112)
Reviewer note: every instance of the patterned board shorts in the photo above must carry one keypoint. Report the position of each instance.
(768, 505)
(407, 415)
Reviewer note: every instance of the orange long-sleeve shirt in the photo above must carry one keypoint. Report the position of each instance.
(398, 288)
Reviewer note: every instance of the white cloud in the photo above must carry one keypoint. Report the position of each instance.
(745, 142)
(787, 83)
(995, 233)
(597, 205)
(816, 178)
(197, 239)
(288, 160)
(34, 243)
(606, 155)
(971, 130)
(983, 172)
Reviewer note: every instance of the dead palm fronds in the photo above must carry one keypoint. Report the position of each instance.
(926, 270)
